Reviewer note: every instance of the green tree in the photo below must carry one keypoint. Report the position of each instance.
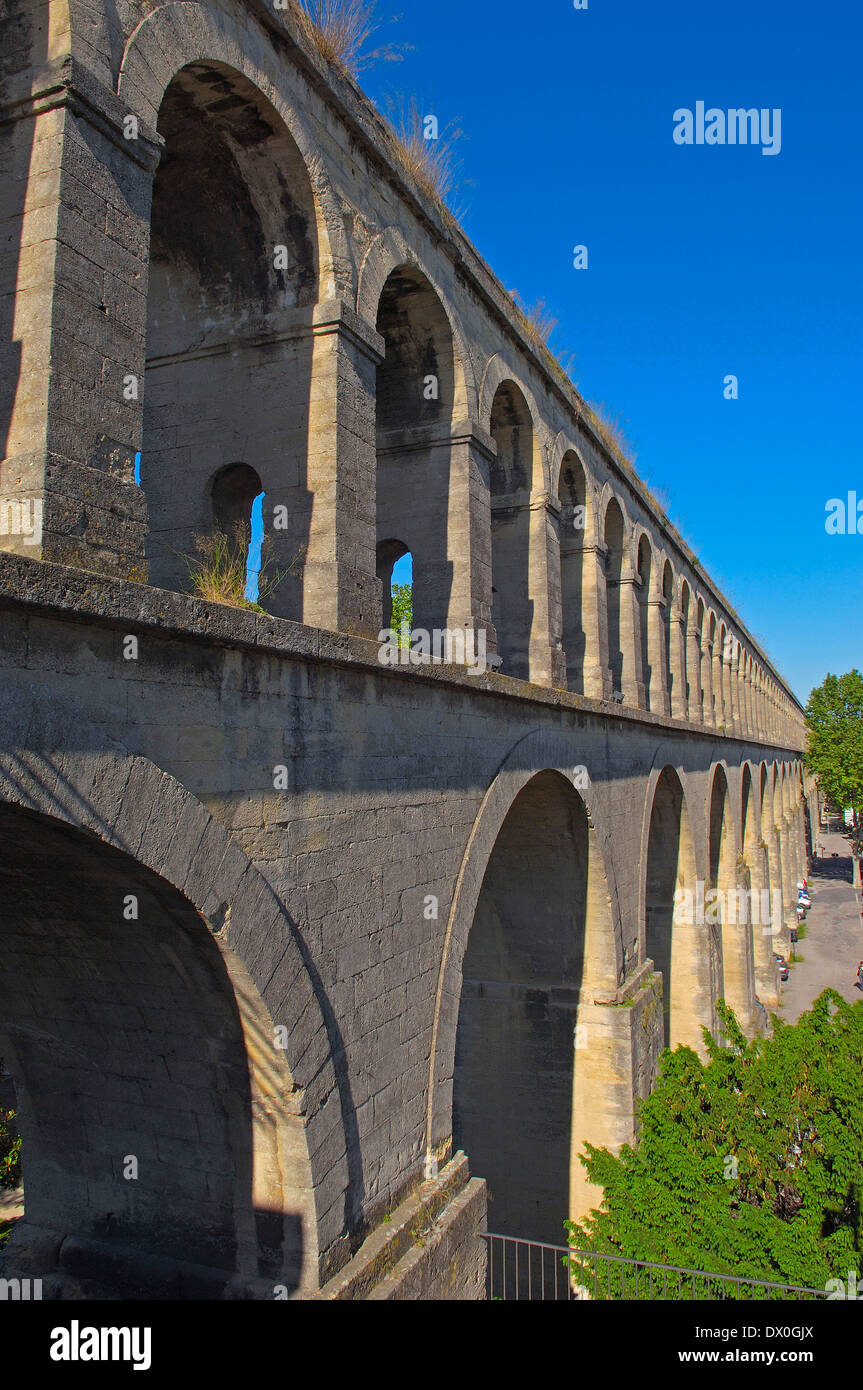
(10, 1148)
(834, 720)
(750, 1163)
(403, 611)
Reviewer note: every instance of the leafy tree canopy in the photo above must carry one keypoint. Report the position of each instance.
(10, 1147)
(402, 610)
(834, 719)
(750, 1163)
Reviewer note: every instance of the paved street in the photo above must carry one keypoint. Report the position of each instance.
(833, 945)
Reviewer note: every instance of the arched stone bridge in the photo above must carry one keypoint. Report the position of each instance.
(287, 932)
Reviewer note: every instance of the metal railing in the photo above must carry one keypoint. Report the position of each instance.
(530, 1270)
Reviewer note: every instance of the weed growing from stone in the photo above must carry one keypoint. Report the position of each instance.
(431, 163)
(611, 432)
(340, 30)
(220, 573)
(536, 321)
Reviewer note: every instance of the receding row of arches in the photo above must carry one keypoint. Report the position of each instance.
(249, 396)
(543, 1045)
(667, 651)
(537, 1064)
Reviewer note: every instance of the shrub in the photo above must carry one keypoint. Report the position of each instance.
(10, 1149)
(748, 1163)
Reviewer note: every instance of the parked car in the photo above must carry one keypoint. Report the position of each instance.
(783, 966)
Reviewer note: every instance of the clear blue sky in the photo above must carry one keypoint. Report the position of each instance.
(703, 260)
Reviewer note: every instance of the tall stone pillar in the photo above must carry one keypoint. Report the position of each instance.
(794, 866)
(738, 691)
(693, 670)
(597, 678)
(341, 591)
(632, 673)
(802, 866)
(750, 699)
(790, 833)
(738, 970)
(572, 561)
(75, 198)
(547, 660)
(469, 533)
(805, 845)
(679, 703)
(719, 683)
(709, 713)
(766, 978)
(656, 653)
(765, 702)
(618, 1041)
(791, 815)
(743, 688)
(728, 683)
(799, 835)
(789, 877)
(781, 939)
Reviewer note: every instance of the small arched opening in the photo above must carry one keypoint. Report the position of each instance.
(395, 572)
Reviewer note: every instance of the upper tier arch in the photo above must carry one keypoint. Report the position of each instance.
(178, 34)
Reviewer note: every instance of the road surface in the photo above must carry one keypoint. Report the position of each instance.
(833, 945)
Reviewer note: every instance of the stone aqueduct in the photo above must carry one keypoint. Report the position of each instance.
(281, 925)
